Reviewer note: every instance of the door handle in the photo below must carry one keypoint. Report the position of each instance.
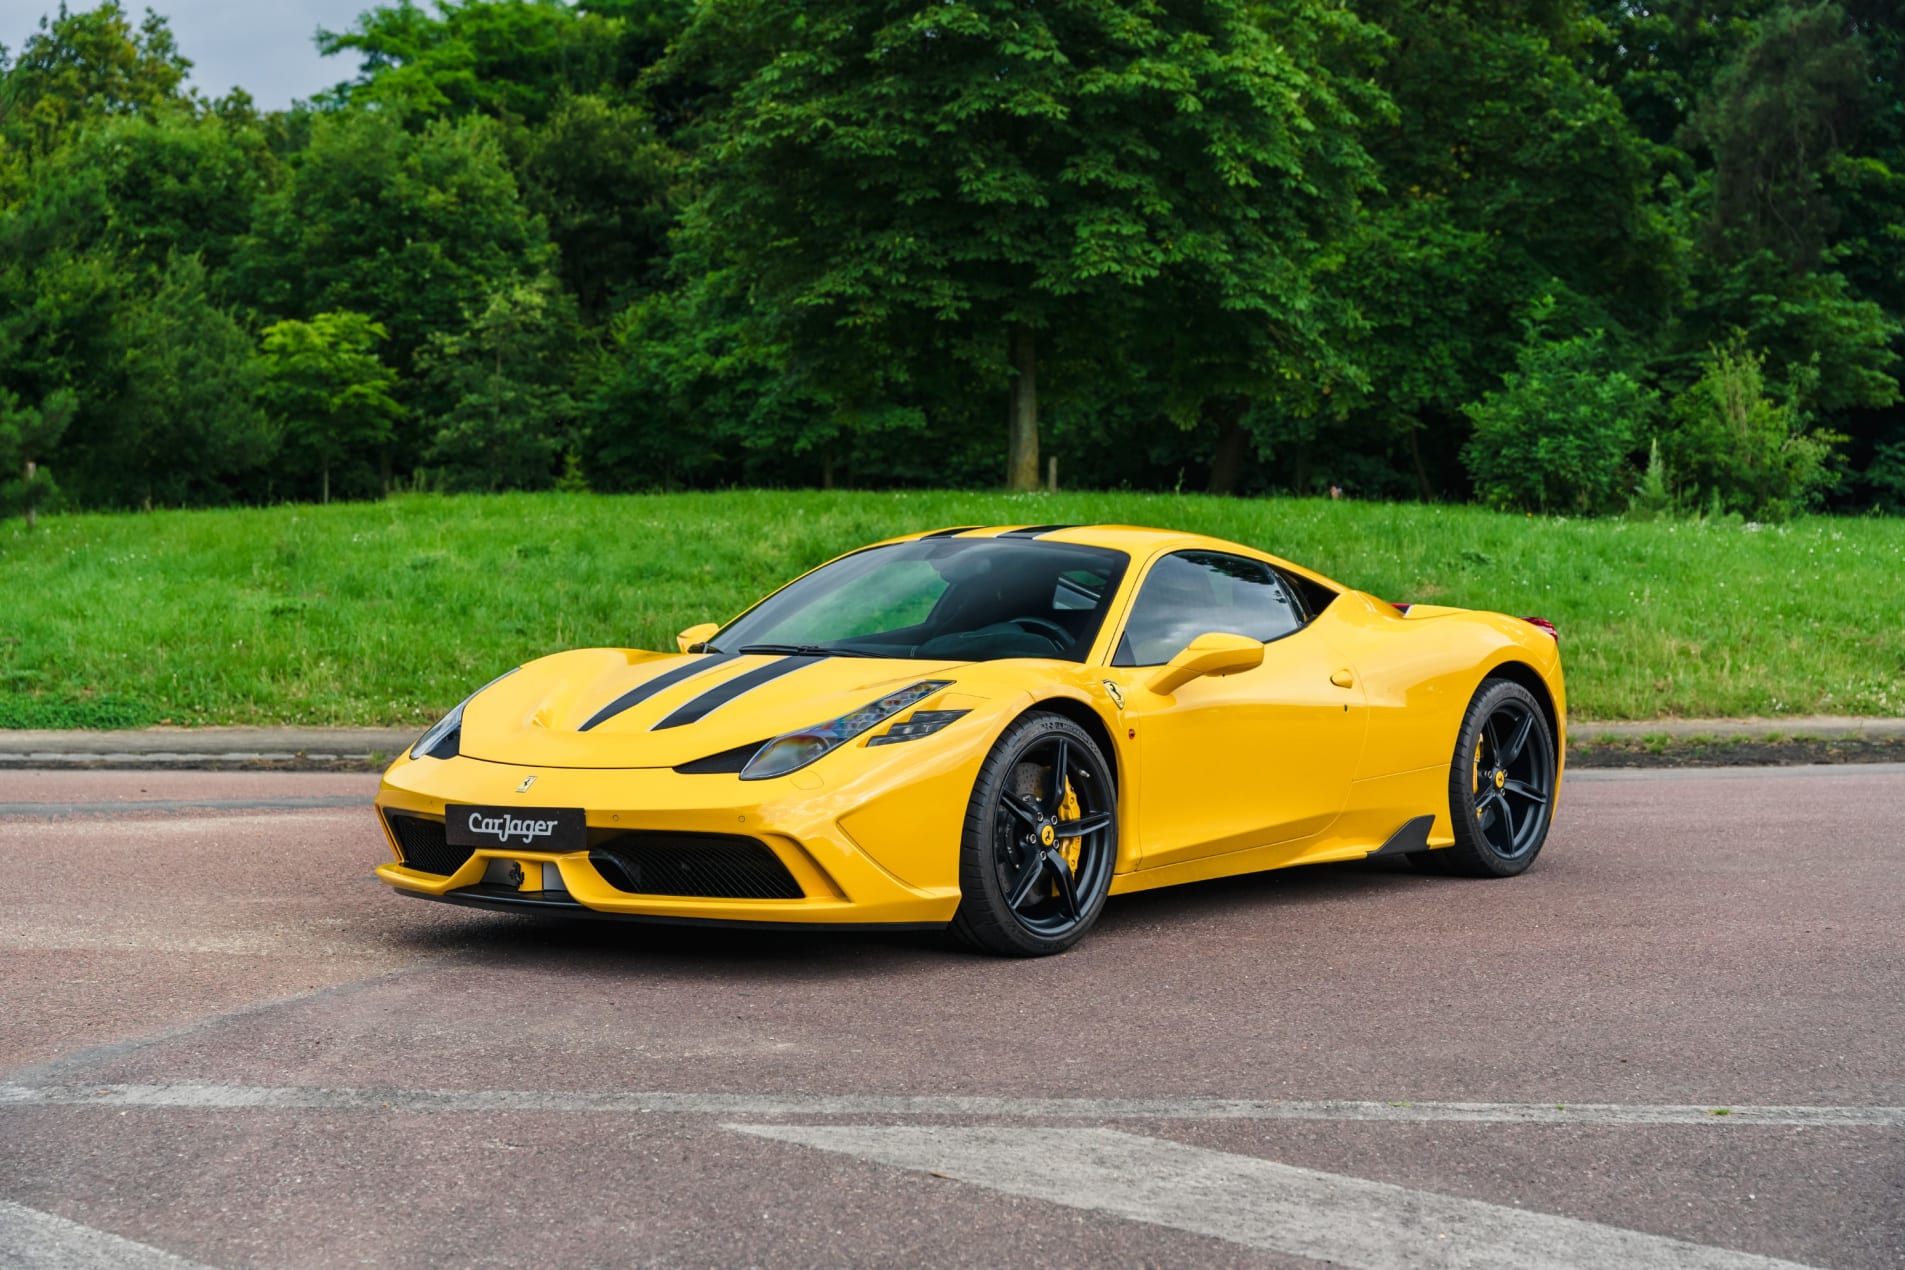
(1343, 679)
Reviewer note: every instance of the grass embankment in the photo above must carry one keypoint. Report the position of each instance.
(386, 613)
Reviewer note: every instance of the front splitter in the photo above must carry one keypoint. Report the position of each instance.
(501, 899)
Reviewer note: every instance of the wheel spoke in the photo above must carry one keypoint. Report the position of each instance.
(1062, 874)
(1517, 743)
(1084, 825)
(1027, 880)
(1493, 802)
(1522, 789)
(1059, 765)
(1023, 810)
(1494, 740)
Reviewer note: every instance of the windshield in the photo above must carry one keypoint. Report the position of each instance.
(959, 599)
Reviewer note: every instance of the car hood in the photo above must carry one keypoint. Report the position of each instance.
(607, 707)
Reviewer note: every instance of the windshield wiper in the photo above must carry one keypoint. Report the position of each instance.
(807, 650)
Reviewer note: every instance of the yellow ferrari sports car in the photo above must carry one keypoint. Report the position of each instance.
(992, 730)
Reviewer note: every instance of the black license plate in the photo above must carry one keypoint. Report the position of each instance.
(524, 828)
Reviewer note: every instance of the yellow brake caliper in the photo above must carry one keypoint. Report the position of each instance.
(1068, 809)
(1478, 774)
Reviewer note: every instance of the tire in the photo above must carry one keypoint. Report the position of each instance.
(1022, 894)
(1501, 786)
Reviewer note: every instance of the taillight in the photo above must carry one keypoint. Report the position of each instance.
(1545, 625)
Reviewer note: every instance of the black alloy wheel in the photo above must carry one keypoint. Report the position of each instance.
(1501, 785)
(1040, 841)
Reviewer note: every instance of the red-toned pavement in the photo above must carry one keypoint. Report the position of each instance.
(223, 1043)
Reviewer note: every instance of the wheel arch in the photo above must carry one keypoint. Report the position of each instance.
(1093, 723)
(1527, 676)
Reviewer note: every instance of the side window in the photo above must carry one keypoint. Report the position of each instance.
(1192, 593)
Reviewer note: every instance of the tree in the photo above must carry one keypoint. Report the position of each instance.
(509, 59)
(1557, 435)
(27, 437)
(1773, 118)
(323, 381)
(505, 379)
(177, 419)
(605, 184)
(86, 66)
(1510, 179)
(179, 184)
(1737, 445)
(992, 182)
(414, 230)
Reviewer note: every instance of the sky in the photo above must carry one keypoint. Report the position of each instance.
(262, 46)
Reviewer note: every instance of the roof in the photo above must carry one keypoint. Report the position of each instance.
(1137, 541)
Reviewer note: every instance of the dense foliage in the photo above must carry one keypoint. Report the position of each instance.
(1541, 255)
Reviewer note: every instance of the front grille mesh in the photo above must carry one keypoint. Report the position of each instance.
(703, 865)
(423, 846)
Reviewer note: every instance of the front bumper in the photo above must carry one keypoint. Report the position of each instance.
(878, 849)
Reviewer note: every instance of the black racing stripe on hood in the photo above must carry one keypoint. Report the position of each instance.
(1035, 531)
(722, 693)
(648, 688)
(947, 533)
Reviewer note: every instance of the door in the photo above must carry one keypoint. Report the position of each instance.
(1243, 760)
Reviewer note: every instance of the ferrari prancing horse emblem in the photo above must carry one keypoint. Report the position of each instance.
(527, 782)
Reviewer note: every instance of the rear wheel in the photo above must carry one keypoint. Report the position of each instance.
(1040, 841)
(1501, 785)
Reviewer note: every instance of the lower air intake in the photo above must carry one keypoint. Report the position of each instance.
(702, 865)
(423, 846)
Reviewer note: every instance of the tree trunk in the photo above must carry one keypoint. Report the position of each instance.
(1422, 472)
(1233, 445)
(326, 497)
(1021, 455)
(32, 512)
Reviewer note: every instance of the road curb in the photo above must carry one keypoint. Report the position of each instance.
(1810, 727)
(311, 749)
(1650, 742)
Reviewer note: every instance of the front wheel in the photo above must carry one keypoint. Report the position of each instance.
(1040, 841)
(1501, 785)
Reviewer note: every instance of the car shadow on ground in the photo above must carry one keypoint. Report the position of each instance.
(542, 942)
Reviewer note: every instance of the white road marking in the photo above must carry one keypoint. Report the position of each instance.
(1260, 1203)
(33, 1240)
(189, 1095)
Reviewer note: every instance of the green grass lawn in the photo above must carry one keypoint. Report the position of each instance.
(386, 613)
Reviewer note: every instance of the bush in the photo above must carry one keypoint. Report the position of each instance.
(1558, 434)
(1885, 477)
(1653, 498)
(1738, 447)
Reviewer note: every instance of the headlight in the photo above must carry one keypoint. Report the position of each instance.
(794, 750)
(441, 741)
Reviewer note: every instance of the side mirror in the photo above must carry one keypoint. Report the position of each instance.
(689, 641)
(1212, 654)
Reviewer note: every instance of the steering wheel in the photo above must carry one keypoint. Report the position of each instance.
(1059, 636)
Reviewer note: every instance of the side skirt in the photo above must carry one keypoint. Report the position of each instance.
(1412, 837)
(1320, 849)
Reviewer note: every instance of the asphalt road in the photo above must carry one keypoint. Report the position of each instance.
(1678, 1041)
